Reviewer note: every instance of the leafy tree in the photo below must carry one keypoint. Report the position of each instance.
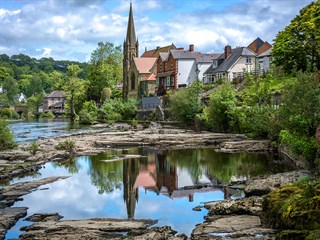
(6, 136)
(186, 103)
(10, 88)
(89, 112)
(222, 102)
(34, 102)
(114, 110)
(75, 91)
(297, 47)
(105, 69)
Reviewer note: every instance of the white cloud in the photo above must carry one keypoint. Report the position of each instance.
(72, 28)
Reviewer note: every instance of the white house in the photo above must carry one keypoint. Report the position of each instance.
(231, 65)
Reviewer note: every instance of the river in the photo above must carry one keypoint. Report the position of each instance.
(142, 183)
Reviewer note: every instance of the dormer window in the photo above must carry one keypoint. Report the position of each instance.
(248, 60)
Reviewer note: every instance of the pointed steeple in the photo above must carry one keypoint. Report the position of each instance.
(131, 33)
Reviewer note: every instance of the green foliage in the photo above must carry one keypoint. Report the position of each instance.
(297, 47)
(105, 69)
(6, 136)
(8, 113)
(186, 103)
(114, 110)
(301, 145)
(89, 112)
(221, 104)
(105, 94)
(67, 145)
(295, 206)
(33, 104)
(75, 89)
(34, 147)
(48, 115)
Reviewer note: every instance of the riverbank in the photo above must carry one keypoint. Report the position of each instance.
(20, 161)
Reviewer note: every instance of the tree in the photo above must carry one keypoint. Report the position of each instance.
(105, 94)
(6, 136)
(34, 102)
(10, 88)
(75, 91)
(186, 103)
(105, 69)
(297, 47)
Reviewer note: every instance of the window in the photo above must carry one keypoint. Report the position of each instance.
(220, 75)
(133, 82)
(160, 67)
(171, 65)
(248, 60)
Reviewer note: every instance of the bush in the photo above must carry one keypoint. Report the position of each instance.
(48, 115)
(67, 145)
(115, 110)
(186, 103)
(8, 113)
(34, 147)
(6, 136)
(89, 112)
(221, 105)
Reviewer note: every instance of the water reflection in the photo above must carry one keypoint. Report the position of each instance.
(152, 183)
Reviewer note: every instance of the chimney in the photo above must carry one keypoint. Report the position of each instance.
(191, 48)
(158, 47)
(227, 51)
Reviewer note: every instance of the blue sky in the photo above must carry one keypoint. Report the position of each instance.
(71, 29)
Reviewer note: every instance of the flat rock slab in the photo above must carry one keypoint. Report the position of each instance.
(262, 186)
(232, 227)
(84, 229)
(9, 217)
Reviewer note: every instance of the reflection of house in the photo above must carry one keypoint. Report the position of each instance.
(54, 102)
(231, 65)
(180, 68)
(142, 77)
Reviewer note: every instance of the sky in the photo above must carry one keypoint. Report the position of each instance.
(71, 29)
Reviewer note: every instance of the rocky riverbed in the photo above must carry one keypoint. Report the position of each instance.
(226, 219)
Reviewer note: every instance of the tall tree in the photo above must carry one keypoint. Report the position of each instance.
(75, 90)
(105, 69)
(10, 88)
(297, 47)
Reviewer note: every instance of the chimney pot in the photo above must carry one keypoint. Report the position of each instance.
(227, 51)
(191, 48)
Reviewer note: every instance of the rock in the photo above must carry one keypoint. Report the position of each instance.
(44, 217)
(246, 146)
(9, 217)
(84, 229)
(197, 208)
(262, 186)
(250, 206)
(232, 227)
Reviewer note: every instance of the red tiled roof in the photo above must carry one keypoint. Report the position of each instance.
(152, 77)
(144, 64)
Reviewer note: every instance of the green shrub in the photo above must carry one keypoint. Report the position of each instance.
(6, 136)
(67, 145)
(301, 145)
(186, 104)
(115, 110)
(8, 113)
(89, 112)
(48, 115)
(221, 104)
(34, 147)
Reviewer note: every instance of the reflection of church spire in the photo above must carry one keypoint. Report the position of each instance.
(130, 193)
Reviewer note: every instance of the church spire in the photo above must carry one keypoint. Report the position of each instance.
(131, 33)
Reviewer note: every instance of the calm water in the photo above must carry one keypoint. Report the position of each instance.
(163, 185)
(25, 131)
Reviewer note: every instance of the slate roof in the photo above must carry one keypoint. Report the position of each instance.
(155, 52)
(207, 58)
(144, 65)
(56, 94)
(236, 53)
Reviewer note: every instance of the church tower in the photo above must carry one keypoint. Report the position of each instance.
(130, 50)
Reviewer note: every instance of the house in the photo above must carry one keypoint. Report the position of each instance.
(54, 102)
(264, 58)
(231, 65)
(180, 68)
(142, 77)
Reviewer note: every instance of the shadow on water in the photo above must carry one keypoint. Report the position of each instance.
(146, 183)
